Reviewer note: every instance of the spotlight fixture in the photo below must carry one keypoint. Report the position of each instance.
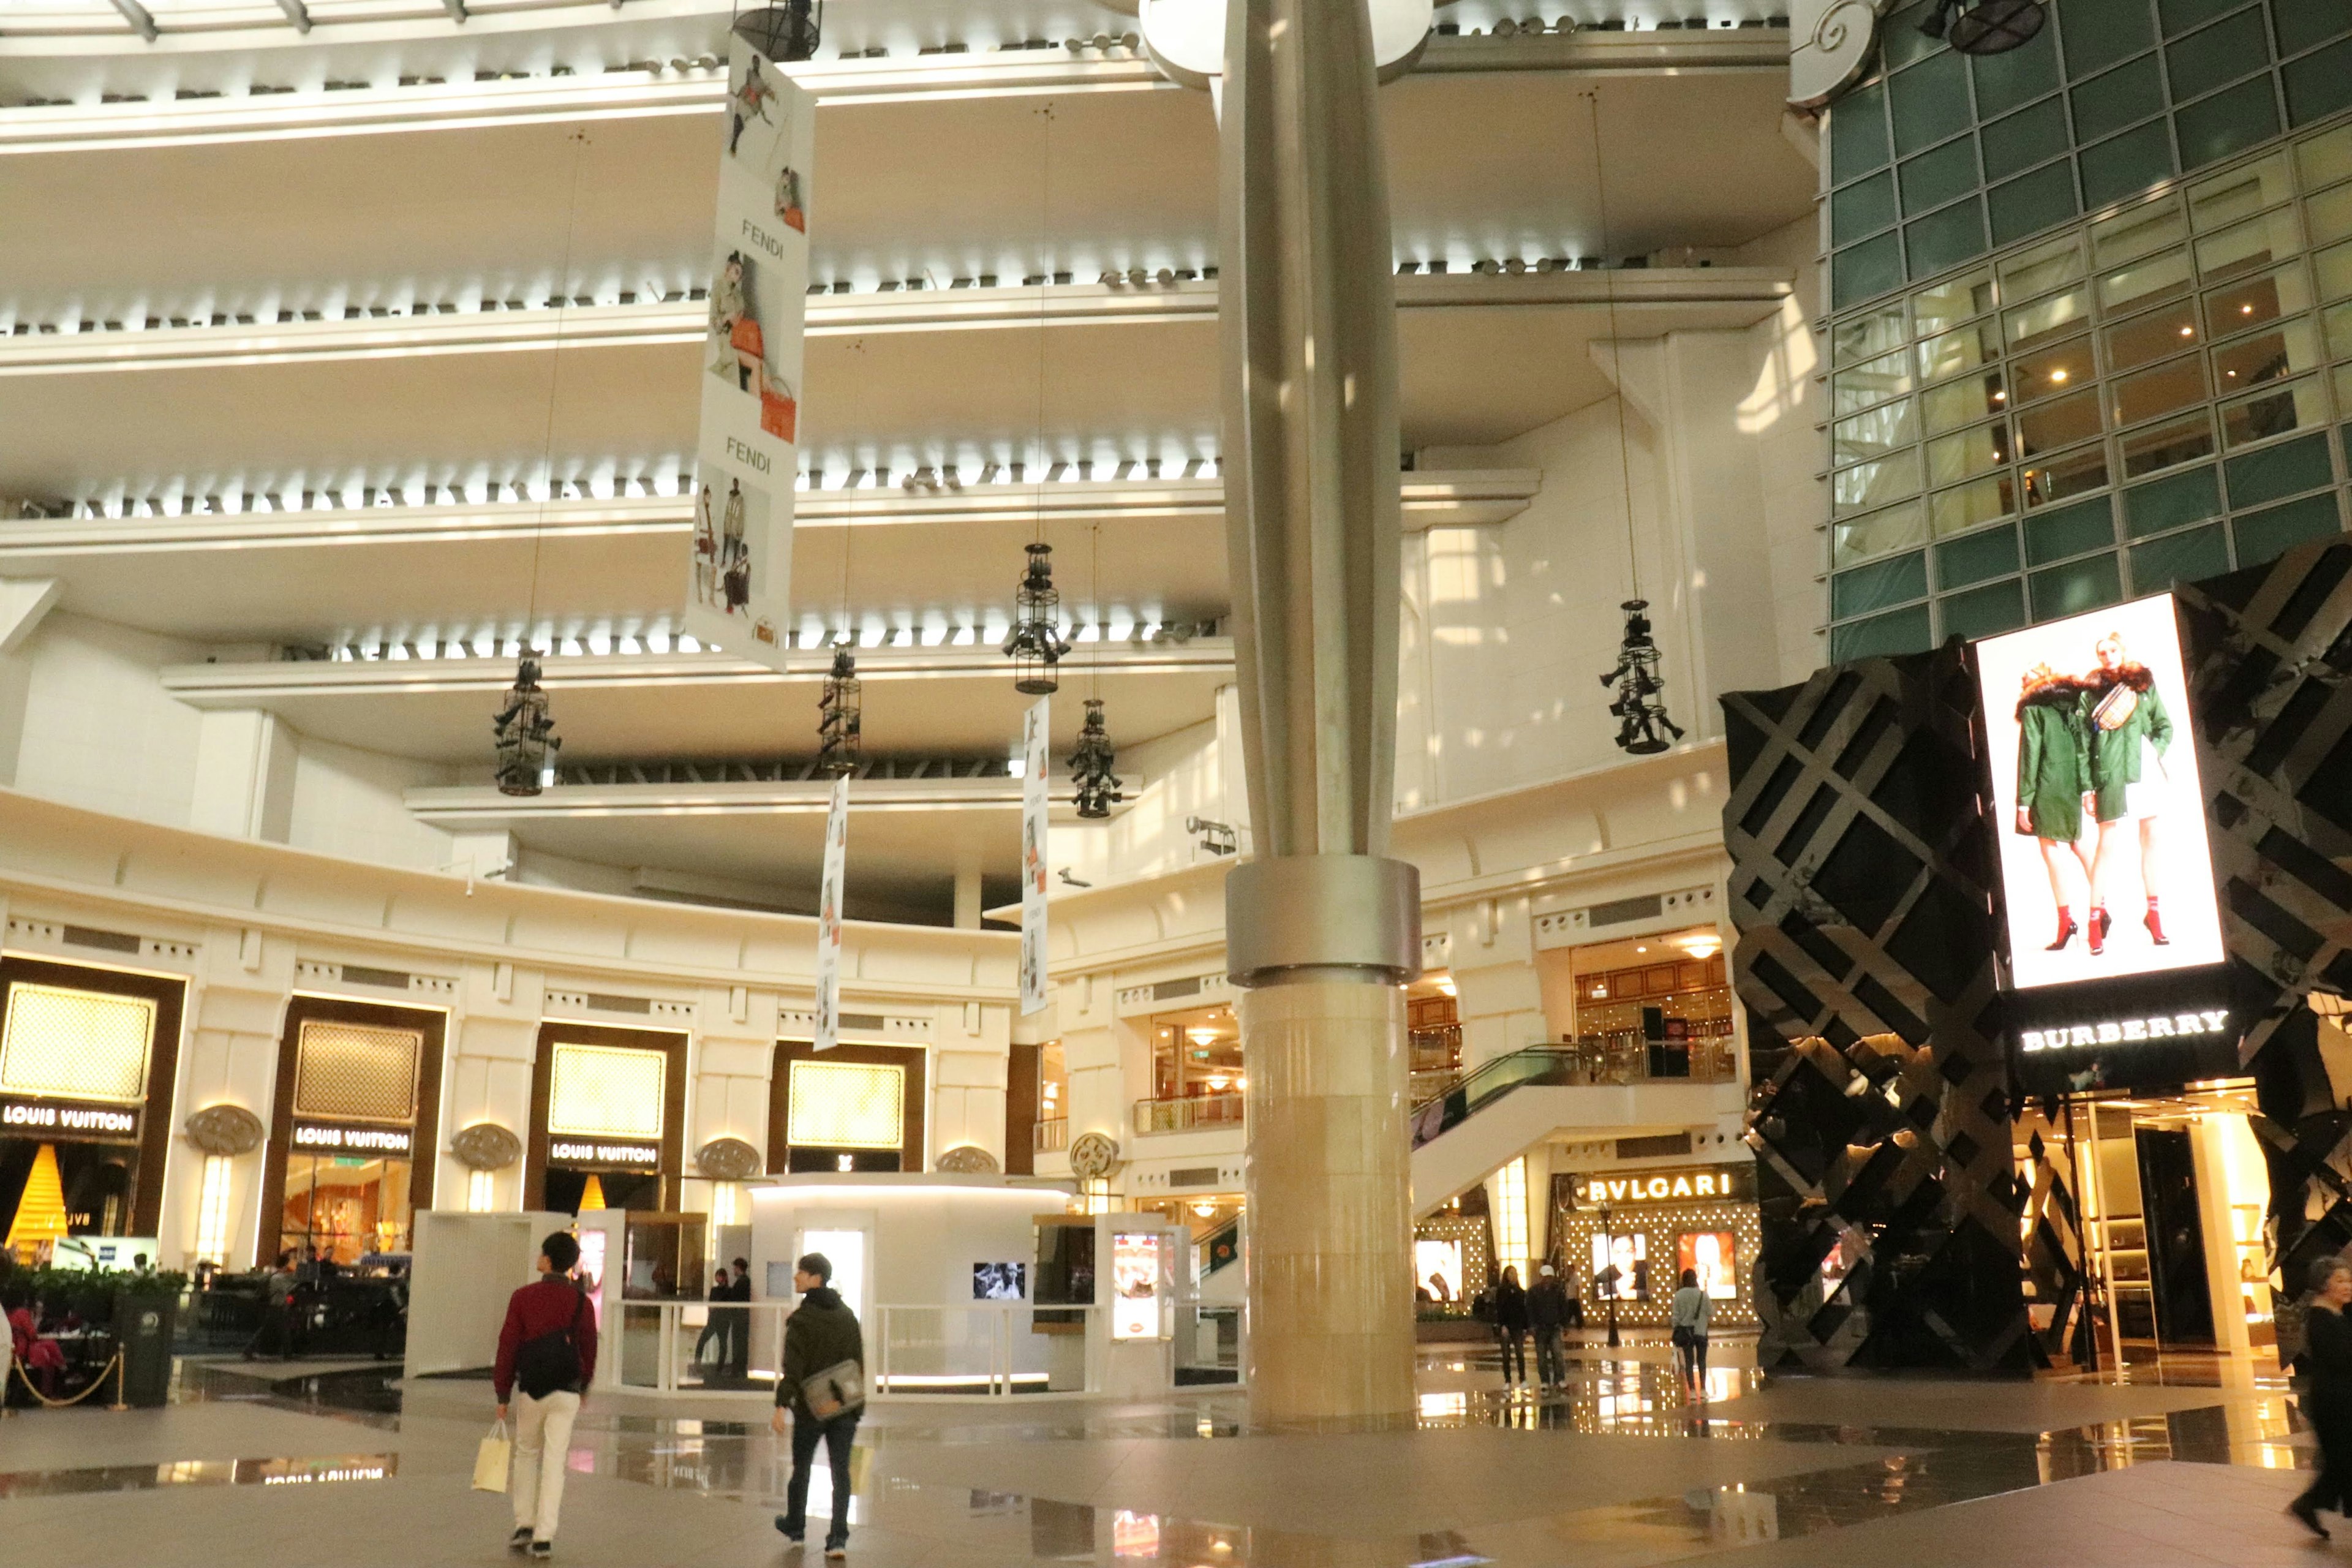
(1096, 787)
(524, 732)
(786, 32)
(840, 716)
(1216, 838)
(1034, 644)
(1639, 713)
(1985, 27)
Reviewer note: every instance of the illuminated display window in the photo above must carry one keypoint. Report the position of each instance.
(84, 1045)
(606, 1091)
(353, 1072)
(847, 1105)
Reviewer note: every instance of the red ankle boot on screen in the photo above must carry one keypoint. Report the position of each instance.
(2097, 927)
(2065, 931)
(2156, 926)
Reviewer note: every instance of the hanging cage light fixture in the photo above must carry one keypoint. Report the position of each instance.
(840, 715)
(1095, 786)
(1639, 709)
(524, 732)
(1035, 643)
(1985, 27)
(784, 33)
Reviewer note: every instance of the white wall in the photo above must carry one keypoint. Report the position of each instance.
(348, 801)
(99, 731)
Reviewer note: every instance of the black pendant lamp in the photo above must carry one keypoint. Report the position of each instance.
(1640, 710)
(1034, 644)
(524, 732)
(839, 715)
(1985, 27)
(1095, 786)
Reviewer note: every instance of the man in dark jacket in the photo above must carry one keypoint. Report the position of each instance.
(739, 1332)
(821, 1334)
(1511, 1324)
(1546, 1316)
(547, 1344)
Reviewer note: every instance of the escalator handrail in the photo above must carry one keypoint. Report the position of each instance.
(1486, 1083)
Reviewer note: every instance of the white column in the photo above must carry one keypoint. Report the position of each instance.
(244, 783)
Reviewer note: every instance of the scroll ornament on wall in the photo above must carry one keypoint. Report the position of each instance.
(728, 1159)
(969, 1159)
(487, 1146)
(226, 1129)
(1832, 45)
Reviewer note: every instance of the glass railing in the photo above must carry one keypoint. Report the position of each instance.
(1600, 1059)
(1052, 1135)
(1185, 1114)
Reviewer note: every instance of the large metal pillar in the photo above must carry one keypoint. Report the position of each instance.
(1321, 927)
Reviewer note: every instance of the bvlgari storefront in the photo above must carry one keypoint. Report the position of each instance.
(1629, 1235)
(88, 1062)
(359, 1094)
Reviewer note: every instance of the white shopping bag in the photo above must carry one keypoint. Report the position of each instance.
(492, 1459)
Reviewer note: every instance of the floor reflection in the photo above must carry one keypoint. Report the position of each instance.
(200, 1473)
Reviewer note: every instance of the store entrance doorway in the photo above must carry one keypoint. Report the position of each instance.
(2173, 1190)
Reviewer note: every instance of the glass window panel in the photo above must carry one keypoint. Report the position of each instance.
(1971, 506)
(2340, 331)
(2022, 141)
(2069, 531)
(2133, 233)
(2286, 349)
(1897, 528)
(1950, 303)
(2076, 588)
(2265, 535)
(1959, 402)
(2125, 96)
(2344, 400)
(1858, 133)
(2221, 53)
(2136, 341)
(2179, 558)
(2100, 32)
(2145, 282)
(2054, 372)
(2240, 194)
(1968, 454)
(2044, 266)
(1931, 179)
(2172, 504)
(2325, 158)
(2303, 23)
(2031, 325)
(1863, 271)
(1875, 433)
(1975, 557)
(2230, 121)
(1930, 100)
(2273, 473)
(2318, 84)
(2329, 214)
(1866, 336)
(2059, 421)
(1861, 208)
(2254, 302)
(1945, 239)
(2299, 406)
(2066, 474)
(1981, 612)
(2156, 448)
(1875, 381)
(2150, 392)
(1872, 485)
(1904, 631)
(2017, 76)
(2180, 16)
(2335, 270)
(2127, 164)
(1880, 585)
(2250, 246)
(2032, 203)
(1970, 348)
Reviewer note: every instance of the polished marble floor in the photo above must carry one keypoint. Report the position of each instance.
(2180, 1463)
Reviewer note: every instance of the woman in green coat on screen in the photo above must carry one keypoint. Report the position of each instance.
(2053, 765)
(2124, 721)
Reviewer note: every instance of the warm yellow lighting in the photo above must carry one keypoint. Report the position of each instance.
(606, 1091)
(1600, 990)
(592, 1197)
(2245, 310)
(481, 1193)
(1204, 1208)
(2059, 375)
(213, 1210)
(846, 1105)
(1218, 1081)
(88, 1044)
(1703, 945)
(2187, 331)
(1445, 985)
(41, 1212)
(1201, 1036)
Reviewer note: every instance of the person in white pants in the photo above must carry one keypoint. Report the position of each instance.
(547, 1358)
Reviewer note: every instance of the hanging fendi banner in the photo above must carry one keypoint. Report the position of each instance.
(828, 918)
(1036, 732)
(738, 585)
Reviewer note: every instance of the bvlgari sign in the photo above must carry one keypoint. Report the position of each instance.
(1700, 1183)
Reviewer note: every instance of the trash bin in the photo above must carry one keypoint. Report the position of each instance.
(142, 1331)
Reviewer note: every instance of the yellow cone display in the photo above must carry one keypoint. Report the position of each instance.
(592, 1197)
(41, 1212)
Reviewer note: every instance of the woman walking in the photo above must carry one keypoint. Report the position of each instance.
(1511, 1325)
(1694, 1309)
(2326, 1363)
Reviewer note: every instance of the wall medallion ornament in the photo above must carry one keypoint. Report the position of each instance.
(728, 1159)
(1831, 46)
(226, 1129)
(1093, 1156)
(485, 1146)
(968, 1159)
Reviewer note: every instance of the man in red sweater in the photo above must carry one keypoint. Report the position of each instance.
(548, 1346)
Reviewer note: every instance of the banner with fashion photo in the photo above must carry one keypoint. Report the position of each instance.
(1036, 732)
(2103, 860)
(828, 918)
(739, 576)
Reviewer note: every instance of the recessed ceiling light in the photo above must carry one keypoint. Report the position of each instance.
(2059, 375)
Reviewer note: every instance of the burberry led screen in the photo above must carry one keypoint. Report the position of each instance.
(2104, 867)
